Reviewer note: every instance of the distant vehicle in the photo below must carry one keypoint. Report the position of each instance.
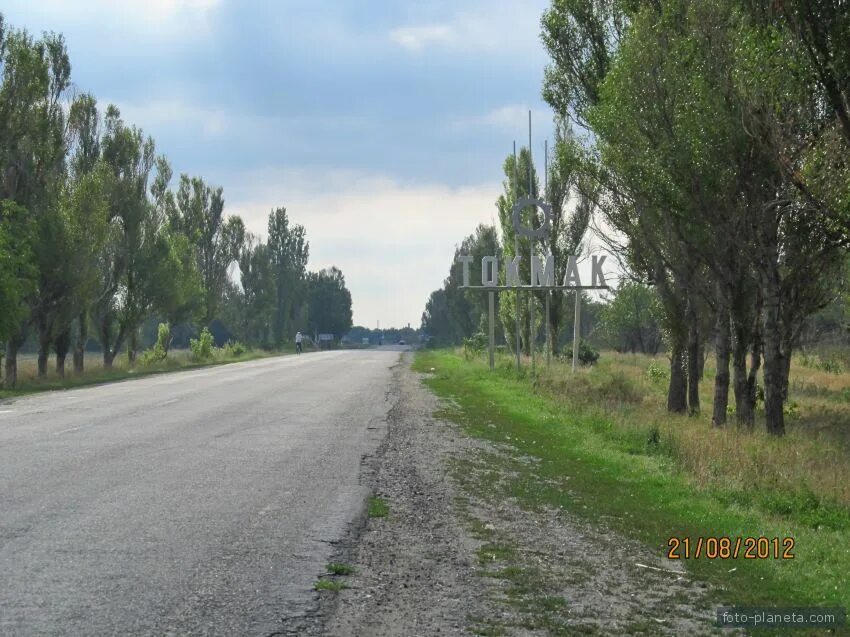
(402, 342)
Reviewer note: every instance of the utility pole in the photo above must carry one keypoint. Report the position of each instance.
(531, 331)
(516, 253)
(548, 292)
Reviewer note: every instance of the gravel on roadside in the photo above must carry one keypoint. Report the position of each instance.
(454, 555)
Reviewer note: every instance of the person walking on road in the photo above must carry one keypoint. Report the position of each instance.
(298, 340)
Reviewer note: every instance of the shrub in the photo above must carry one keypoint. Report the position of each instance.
(159, 351)
(657, 373)
(203, 347)
(474, 345)
(587, 355)
(653, 439)
(234, 349)
(598, 386)
(791, 409)
(616, 387)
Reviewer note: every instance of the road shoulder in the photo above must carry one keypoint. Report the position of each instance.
(456, 553)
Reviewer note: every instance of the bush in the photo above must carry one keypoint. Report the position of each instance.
(234, 349)
(657, 373)
(474, 345)
(159, 351)
(587, 355)
(203, 347)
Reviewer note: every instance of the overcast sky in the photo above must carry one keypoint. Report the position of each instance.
(381, 126)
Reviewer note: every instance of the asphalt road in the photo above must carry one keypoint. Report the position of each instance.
(199, 502)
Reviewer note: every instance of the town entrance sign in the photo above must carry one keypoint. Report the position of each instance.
(543, 279)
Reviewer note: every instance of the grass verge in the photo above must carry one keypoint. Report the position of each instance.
(620, 473)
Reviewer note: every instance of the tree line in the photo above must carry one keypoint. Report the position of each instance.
(714, 146)
(717, 147)
(95, 240)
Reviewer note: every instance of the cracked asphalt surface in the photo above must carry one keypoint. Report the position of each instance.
(200, 502)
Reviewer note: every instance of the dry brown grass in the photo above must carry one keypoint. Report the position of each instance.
(813, 458)
(28, 366)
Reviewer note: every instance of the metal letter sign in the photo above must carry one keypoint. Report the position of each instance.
(490, 272)
(532, 233)
(542, 269)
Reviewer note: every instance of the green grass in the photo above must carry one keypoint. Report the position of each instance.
(335, 568)
(329, 585)
(378, 507)
(600, 458)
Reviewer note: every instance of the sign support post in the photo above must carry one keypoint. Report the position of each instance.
(532, 331)
(548, 292)
(546, 327)
(577, 330)
(516, 253)
(492, 330)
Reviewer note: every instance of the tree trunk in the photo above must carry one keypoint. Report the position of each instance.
(554, 326)
(43, 347)
(62, 345)
(786, 371)
(774, 363)
(104, 335)
(674, 298)
(110, 349)
(80, 345)
(132, 347)
(755, 360)
(677, 393)
(721, 379)
(11, 364)
(693, 362)
(744, 401)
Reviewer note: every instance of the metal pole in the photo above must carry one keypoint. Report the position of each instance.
(546, 327)
(516, 253)
(532, 332)
(548, 292)
(492, 308)
(577, 330)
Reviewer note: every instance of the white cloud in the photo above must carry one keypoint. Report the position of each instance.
(510, 122)
(491, 26)
(510, 118)
(394, 242)
(416, 38)
(159, 113)
(145, 10)
(114, 23)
